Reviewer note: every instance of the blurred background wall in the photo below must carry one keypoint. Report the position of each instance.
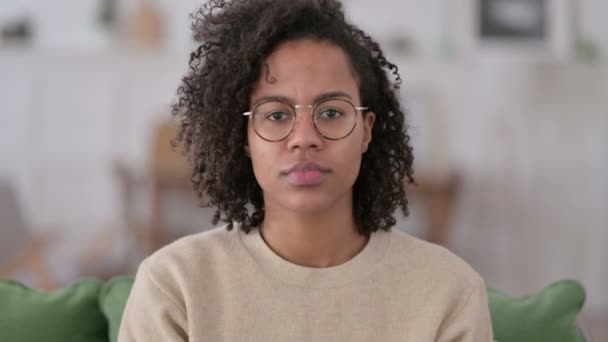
(519, 125)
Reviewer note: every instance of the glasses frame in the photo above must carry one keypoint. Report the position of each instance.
(312, 107)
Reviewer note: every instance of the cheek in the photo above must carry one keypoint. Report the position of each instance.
(263, 158)
(350, 162)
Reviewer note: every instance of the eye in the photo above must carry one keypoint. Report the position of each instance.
(277, 116)
(330, 114)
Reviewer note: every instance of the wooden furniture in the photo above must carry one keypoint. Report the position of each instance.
(168, 173)
(438, 197)
(20, 249)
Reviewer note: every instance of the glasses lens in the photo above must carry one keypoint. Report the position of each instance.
(273, 121)
(335, 119)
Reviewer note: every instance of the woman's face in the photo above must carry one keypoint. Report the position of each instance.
(306, 172)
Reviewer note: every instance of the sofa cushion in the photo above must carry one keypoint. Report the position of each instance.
(66, 315)
(547, 316)
(112, 301)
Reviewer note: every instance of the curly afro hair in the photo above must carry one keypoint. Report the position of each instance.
(235, 39)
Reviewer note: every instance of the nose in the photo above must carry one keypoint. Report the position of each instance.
(304, 135)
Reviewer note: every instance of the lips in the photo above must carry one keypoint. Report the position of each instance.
(305, 174)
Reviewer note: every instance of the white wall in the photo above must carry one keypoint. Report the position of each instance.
(592, 21)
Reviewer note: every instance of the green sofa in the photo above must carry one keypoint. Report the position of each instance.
(90, 310)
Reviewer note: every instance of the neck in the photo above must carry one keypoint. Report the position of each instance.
(320, 239)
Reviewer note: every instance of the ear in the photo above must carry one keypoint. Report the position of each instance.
(368, 123)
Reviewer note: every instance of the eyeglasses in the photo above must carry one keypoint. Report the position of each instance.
(274, 120)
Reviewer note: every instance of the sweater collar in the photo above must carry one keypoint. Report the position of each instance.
(274, 266)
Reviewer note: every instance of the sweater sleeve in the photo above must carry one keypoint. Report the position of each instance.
(471, 321)
(151, 314)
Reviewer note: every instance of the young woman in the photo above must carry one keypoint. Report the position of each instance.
(297, 137)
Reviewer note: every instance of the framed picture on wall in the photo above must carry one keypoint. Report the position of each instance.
(507, 29)
(512, 20)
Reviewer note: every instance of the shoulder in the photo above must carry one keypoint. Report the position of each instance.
(432, 263)
(190, 256)
(196, 245)
(432, 278)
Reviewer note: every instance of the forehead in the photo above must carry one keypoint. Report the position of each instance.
(305, 68)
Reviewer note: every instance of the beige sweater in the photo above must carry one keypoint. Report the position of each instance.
(225, 285)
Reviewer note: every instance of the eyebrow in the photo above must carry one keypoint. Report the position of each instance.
(320, 97)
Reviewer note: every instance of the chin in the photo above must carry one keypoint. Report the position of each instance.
(308, 202)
